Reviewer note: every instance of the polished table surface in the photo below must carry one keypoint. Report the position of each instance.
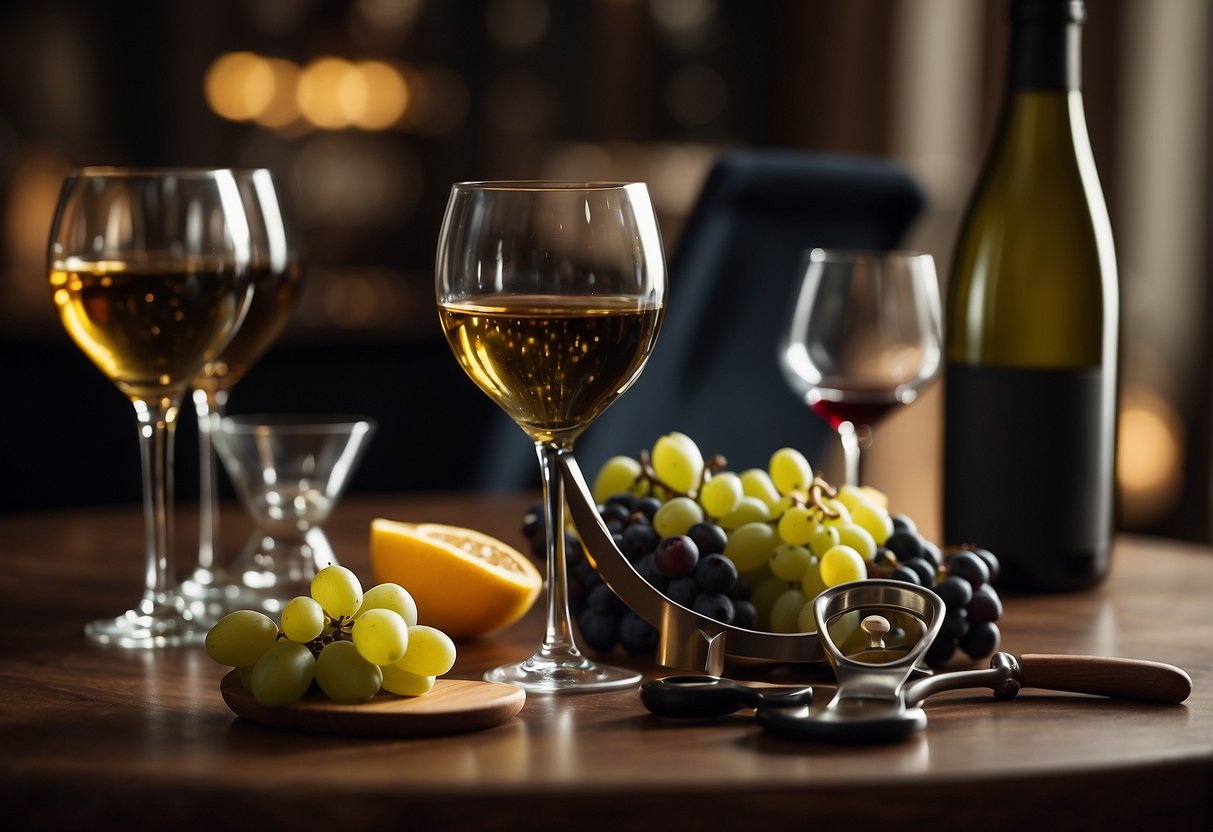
(141, 739)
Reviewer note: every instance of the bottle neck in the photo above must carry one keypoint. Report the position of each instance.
(1046, 54)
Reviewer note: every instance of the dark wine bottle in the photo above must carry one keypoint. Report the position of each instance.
(1032, 319)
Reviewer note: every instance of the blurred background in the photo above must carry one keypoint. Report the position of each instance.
(368, 109)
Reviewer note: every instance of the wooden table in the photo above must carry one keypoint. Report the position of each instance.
(98, 737)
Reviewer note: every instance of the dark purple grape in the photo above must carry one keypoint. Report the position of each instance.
(991, 562)
(956, 592)
(615, 513)
(637, 636)
(744, 614)
(716, 573)
(715, 605)
(683, 591)
(624, 499)
(981, 640)
(532, 522)
(639, 539)
(985, 605)
(741, 591)
(931, 552)
(599, 630)
(924, 570)
(647, 506)
(539, 545)
(710, 538)
(903, 523)
(578, 595)
(883, 558)
(955, 624)
(901, 572)
(906, 545)
(940, 651)
(970, 567)
(676, 556)
(647, 567)
(601, 599)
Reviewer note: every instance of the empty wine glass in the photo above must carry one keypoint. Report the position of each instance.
(551, 295)
(863, 337)
(289, 472)
(149, 274)
(275, 274)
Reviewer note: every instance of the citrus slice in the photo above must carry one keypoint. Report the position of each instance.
(465, 583)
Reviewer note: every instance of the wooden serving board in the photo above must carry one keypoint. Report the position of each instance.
(453, 706)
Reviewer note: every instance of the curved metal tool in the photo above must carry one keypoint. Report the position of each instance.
(688, 639)
(702, 697)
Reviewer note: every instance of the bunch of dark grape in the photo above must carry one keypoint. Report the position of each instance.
(961, 576)
(689, 569)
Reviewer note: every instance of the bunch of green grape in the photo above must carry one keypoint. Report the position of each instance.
(790, 533)
(348, 643)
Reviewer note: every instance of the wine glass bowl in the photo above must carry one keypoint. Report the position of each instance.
(862, 338)
(551, 295)
(149, 276)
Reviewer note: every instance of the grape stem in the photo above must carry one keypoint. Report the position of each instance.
(713, 465)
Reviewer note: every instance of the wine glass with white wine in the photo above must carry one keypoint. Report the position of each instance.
(149, 275)
(551, 295)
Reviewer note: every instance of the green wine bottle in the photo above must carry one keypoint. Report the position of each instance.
(1031, 332)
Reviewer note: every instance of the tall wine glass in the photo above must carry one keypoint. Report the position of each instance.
(863, 337)
(275, 274)
(551, 295)
(148, 271)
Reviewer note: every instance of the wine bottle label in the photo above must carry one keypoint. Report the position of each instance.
(1028, 471)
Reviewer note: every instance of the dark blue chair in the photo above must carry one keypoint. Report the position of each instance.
(714, 374)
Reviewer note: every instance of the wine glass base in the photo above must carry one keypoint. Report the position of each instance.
(135, 629)
(575, 675)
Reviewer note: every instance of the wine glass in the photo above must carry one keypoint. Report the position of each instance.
(275, 274)
(551, 295)
(149, 275)
(863, 337)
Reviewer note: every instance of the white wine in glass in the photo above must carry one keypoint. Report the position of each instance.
(149, 275)
(551, 295)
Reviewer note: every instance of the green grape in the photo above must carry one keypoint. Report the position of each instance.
(283, 674)
(678, 462)
(790, 471)
(824, 538)
(381, 636)
(806, 621)
(302, 619)
(875, 520)
(841, 564)
(785, 612)
(618, 475)
(246, 677)
(402, 683)
(240, 638)
(798, 525)
(757, 483)
(751, 545)
(721, 495)
(344, 675)
(763, 598)
(857, 537)
(389, 596)
(749, 510)
(852, 496)
(811, 583)
(337, 590)
(677, 516)
(431, 652)
(790, 562)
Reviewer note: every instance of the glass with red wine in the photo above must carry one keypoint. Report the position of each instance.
(862, 339)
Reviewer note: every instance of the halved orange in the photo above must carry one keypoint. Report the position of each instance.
(465, 583)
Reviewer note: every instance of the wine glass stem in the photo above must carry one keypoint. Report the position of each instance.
(210, 406)
(157, 426)
(558, 639)
(850, 452)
